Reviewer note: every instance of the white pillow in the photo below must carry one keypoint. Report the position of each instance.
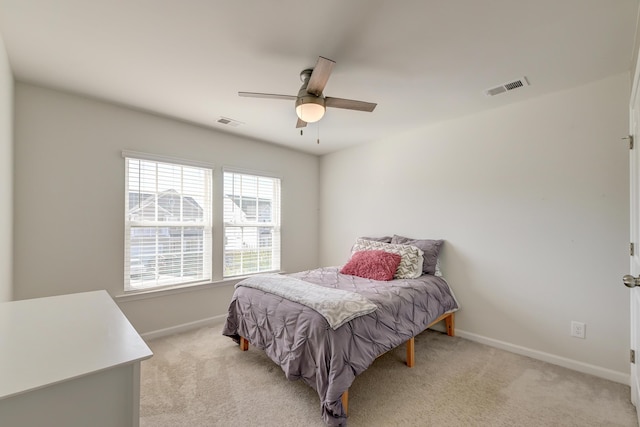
(411, 257)
(438, 271)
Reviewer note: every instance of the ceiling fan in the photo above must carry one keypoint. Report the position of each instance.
(310, 102)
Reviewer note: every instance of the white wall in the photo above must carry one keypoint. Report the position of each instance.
(69, 199)
(532, 200)
(6, 176)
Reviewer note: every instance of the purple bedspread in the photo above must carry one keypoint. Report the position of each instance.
(300, 340)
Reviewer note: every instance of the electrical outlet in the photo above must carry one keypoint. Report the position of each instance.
(578, 329)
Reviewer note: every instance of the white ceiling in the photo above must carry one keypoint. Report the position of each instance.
(422, 61)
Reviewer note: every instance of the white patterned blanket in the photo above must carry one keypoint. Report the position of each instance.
(336, 305)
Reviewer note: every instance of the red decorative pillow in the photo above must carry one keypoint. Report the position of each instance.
(374, 265)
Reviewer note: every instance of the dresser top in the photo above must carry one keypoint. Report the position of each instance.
(44, 341)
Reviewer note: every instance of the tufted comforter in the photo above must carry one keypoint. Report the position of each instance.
(300, 340)
(337, 306)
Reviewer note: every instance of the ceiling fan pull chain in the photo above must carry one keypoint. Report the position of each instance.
(318, 140)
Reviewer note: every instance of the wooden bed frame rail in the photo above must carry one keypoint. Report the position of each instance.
(449, 322)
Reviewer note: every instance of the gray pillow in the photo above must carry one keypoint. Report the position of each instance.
(431, 249)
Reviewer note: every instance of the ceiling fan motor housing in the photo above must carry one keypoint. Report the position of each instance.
(305, 75)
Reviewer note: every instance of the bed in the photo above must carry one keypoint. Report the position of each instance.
(303, 341)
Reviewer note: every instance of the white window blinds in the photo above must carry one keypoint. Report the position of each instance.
(167, 224)
(251, 224)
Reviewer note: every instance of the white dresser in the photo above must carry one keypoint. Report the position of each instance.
(69, 360)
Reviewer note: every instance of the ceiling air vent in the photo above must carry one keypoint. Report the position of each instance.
(521, 82)
(229, 122)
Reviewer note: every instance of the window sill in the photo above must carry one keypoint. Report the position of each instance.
(179, 289)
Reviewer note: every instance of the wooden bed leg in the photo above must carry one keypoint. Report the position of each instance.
(450, 323)
(244, 344)
(411, 352)
(345, 402)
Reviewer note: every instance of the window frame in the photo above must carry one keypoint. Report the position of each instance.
(206, 225)
(275, 224)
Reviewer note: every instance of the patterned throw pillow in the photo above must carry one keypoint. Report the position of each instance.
(383, 239)
(431, 249)
(410, 266)
(374, 265)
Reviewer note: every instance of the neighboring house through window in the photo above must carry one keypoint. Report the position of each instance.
(168, 238)
(251, 223)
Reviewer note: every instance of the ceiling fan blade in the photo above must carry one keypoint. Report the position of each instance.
(320, 75)
(268, 95)
(349, 104)
(301, 124)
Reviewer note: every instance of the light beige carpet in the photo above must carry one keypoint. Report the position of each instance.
(200, 378)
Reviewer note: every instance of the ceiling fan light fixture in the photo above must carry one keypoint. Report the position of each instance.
(310, 108)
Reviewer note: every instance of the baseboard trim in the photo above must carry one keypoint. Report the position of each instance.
(575, 365)
(184, 327)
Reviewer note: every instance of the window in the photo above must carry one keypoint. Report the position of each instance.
(167, 224)
(251, 224)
